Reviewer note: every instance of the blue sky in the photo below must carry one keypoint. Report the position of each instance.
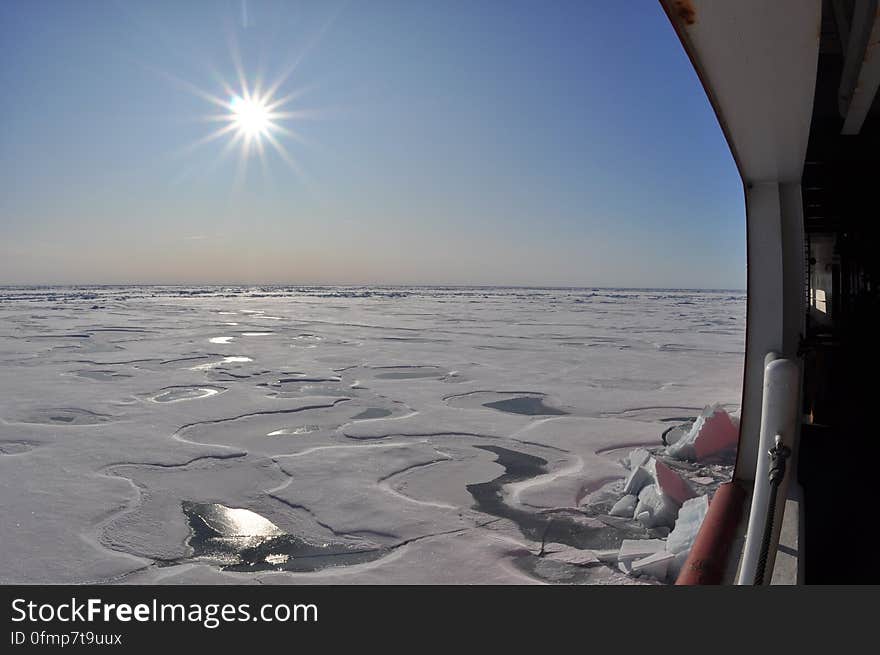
(539, 143)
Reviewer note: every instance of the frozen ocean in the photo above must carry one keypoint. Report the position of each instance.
(339, 435)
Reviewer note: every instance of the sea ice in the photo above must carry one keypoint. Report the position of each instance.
(655, 565)
(690, 518)
(636, 458)
(637, 479)
(683, 535)
(625, 507)
(671, 484)
(714, 435)
(570, 555)
(654, 508)
(633, 549)
(435, 435)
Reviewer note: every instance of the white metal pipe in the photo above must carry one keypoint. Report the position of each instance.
(764, 314)
(779, 412)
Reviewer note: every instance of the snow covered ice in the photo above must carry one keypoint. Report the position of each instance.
(687, 525)
(338, 435)
(712, 436)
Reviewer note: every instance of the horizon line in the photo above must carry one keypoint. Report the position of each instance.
(53, 285)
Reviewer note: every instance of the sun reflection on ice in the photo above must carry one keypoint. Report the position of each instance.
(237, 522)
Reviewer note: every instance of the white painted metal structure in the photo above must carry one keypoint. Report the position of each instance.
(757, 62)
(781, 396)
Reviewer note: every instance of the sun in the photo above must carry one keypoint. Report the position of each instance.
(257, 118)
(252, 117)
(254, 121)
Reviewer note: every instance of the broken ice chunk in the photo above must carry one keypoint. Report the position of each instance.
(606, 556)
(604, 495)
(569, 554)
(675, 434)
(633, 549)
(625, 507)
(718, 436)
(671, 484)
(682, 537)
(654, 508)
(638, 457)
(655, 565)
(636, 480)
(714, 435)
(554, 547)
(690, 518)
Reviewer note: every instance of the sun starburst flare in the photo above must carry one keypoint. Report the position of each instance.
(256, 119)
(251, 119)
(251, 116)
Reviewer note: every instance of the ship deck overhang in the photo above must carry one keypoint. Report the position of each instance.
(793, 84)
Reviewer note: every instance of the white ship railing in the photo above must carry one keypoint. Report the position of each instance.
(779, 414)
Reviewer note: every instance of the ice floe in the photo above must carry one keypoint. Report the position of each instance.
(177, 394)
(713, 436)
(668, 505)
(235, 359)
(365, 435)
